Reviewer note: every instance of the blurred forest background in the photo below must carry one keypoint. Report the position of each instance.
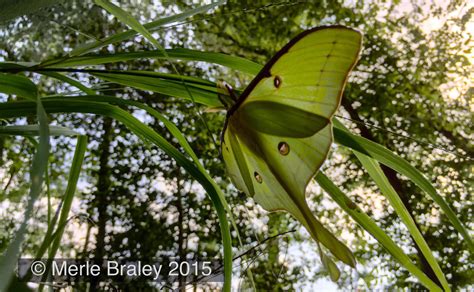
(411, 92)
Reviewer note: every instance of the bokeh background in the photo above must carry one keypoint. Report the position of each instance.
(411, 91)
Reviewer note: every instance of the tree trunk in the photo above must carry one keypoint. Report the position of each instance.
(102, 194)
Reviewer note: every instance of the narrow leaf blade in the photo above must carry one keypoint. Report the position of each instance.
(387, 157)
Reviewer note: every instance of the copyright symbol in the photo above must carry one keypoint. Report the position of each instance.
(38, 268)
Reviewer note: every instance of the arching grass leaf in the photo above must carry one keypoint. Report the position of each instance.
(390, 159)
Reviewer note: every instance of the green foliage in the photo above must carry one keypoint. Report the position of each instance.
(18, 85)
(9, 257)
(398, 86)
(15, 8)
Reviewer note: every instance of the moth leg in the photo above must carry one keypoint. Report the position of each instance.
(231, 92)
(226, 95)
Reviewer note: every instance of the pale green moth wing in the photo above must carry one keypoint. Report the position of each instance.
(278, 119)
(278, 133)
(269, 188)
(331, 267)
(307, 75)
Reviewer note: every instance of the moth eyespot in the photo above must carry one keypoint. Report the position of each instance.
(328, 55)
(277, 81)
(283, 148)
(258, 177)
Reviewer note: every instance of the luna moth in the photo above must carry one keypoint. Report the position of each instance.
(278, 132)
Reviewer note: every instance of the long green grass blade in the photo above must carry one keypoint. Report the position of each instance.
(370, 226)
(123, 102)
(48, 237)
(233, 62)
(190, 80)
(127, 19)
(51, 233)
(69, 80)
(9, 65)
(151, 26)
(34, 130)
(200, 93)
(79, 154)
(374, 170)
(171, 128)
(387, 157)
(18, 85)
(40, 160)
(62, 105)
(179, 137)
